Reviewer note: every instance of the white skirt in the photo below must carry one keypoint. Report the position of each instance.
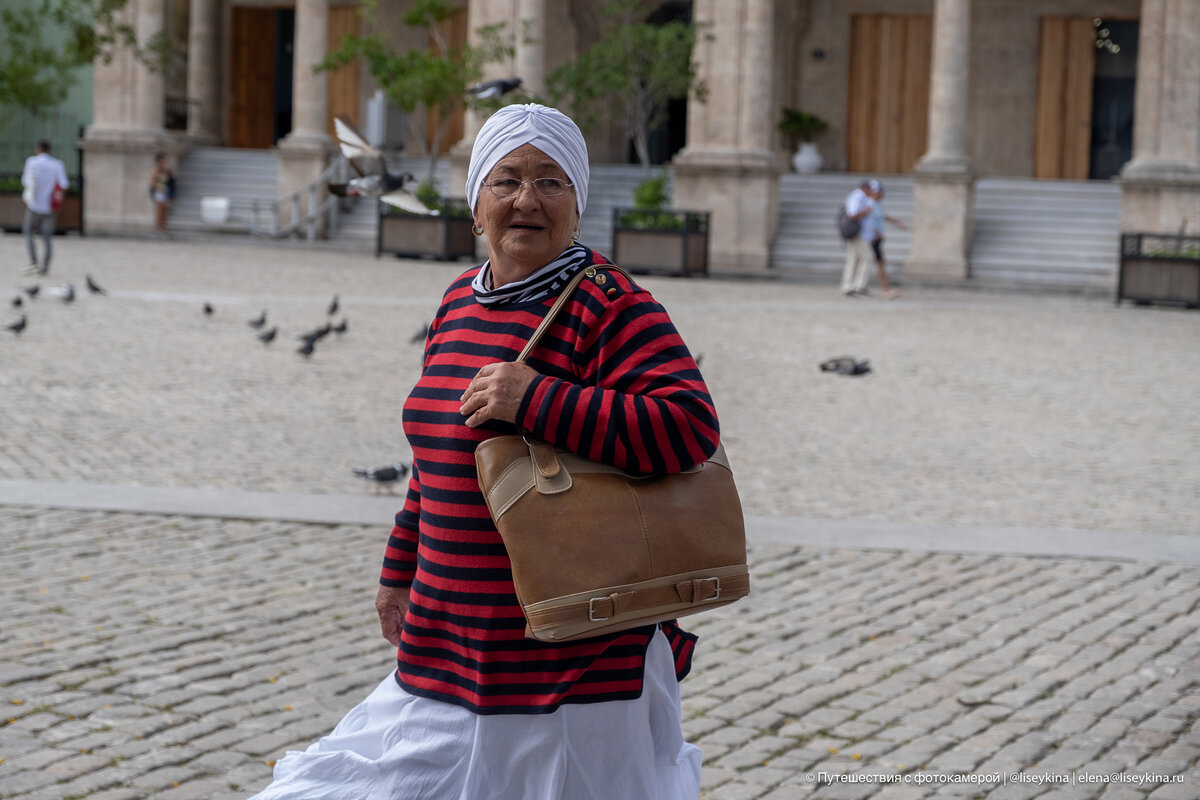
(396, 746)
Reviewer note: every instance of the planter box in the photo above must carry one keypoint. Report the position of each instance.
(671, 242)
(1160, 268)
(445, 237)
(12, 213)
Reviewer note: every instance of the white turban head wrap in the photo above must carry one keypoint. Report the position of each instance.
(547, 129)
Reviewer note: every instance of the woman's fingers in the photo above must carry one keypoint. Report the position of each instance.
(496, 392)
(391, 603)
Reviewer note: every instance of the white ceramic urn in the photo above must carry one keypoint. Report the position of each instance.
(807, 158)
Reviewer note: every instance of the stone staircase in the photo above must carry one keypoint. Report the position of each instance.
(240, 175)
(1047, 233)
(1062, 234)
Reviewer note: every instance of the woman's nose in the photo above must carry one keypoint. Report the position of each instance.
(526, 196)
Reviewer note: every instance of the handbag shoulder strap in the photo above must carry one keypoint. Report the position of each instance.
(567, 291)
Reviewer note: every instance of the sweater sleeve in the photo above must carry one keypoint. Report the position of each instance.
(400, 556)
(639, 402)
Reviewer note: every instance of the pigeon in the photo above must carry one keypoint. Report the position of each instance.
(267, 337)
(373, 178)
(67, 293)
(258, 321)
(341, 327)
(383, 477)
(317, 334)
(32, 291)
(333, 306)
(492, 89)
(846, 365)
(420, 335)
(93, 287)
(208, 309)
(699, 359)
(307, 348)
(17, 302)
(19, 325)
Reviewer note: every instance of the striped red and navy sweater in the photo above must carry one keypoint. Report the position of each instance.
(616, 384)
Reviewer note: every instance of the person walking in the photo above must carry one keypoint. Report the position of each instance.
(43, 178)
(162, 191)
(878, 220)
(860, 256)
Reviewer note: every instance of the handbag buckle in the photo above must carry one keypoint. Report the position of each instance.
(592, 609)
(716, 588)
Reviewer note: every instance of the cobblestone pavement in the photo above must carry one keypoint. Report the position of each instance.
(166, 656)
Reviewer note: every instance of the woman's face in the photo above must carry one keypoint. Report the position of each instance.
(525, 231)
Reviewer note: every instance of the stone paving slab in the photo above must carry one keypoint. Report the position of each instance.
(180, 656)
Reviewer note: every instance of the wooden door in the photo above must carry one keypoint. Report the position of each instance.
(252, 77)
(1063, 127)
(888, 97)
(342, 93)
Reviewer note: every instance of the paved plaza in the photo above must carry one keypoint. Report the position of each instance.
(976, 570)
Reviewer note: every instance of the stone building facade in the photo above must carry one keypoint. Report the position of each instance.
(947, 90)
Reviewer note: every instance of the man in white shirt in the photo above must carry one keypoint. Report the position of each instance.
(43, 173)
(859, 256)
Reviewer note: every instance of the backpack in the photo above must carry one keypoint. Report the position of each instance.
(847, 227)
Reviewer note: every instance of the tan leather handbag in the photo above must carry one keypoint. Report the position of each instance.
(595, 549)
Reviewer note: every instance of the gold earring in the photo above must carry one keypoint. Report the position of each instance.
(475, 229)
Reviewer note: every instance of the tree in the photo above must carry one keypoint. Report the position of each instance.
(47, 41)
(435, 78)
(637, 64)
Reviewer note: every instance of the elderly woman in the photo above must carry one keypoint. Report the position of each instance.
(474, 709)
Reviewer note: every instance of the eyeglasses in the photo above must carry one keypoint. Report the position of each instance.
(545, 187)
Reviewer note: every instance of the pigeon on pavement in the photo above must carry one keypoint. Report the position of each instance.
(19, 325)
(846, 365)
(208, 309)
(333, 306)
(341, 327)
(258, 321)
(307, 348)
(32, 291)
(93, 287)
(383, 477)
(420, 335)
(373, 179)
(316, 334)
(17, 302)
(266, 337)
(67, 293)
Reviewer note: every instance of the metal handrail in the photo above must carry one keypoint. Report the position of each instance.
(330, 207)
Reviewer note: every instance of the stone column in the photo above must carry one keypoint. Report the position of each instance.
(728, 166)
(943, 190)
(126, 131)
(304, 153)
(1160, 186)
(204, 72)
(151, 103)
(531, 58)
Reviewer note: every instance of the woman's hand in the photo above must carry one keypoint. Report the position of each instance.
(496, 392)
(391, 603)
